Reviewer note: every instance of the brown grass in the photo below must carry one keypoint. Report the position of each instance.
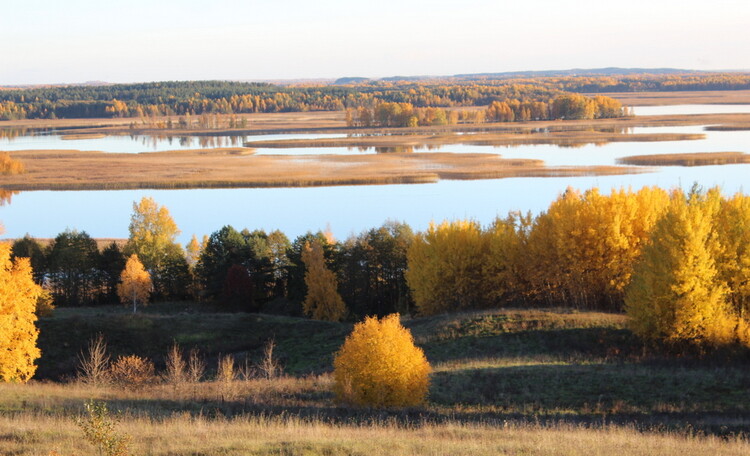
(227, 168)
(691, 159)
(567, 137)
(200, 435)
(686, 97)
(88, 136)
(39, 418)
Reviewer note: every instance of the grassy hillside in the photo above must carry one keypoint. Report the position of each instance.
(540, 374)
(305, 345)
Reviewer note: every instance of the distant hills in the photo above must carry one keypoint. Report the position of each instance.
(610, 71)
(348, 80)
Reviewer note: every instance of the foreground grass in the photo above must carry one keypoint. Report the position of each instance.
(547, 381)
(190, 435)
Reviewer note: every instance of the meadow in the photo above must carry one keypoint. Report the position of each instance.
(545, 381)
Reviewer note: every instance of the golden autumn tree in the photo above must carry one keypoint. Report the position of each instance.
(506, 267)
(153, 234)
(445, 267)
(193, 251)
(584, 247)
(676, 295)
(733, 262)
(323, 301)
(135, 283)
(379, 366)
(18, 334)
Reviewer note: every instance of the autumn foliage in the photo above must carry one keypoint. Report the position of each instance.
(677, 263)
(445, 267)
(135, 286)
(680, 292)
(9, 165)
(322, 302)
(579, 253)
(379, 366)
(18, 335)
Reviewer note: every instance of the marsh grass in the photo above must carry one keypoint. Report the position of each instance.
(691, 159)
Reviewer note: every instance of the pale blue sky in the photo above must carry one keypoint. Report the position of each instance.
(49, 41)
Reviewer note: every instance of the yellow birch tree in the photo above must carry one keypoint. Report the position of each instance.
(676, 295)
(18, 334)
(445, 268)
(135, 283)
(379, 366)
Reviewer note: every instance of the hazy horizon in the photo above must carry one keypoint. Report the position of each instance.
(48, 42)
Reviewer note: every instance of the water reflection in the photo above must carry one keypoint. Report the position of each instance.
(6, 196)
(49, 139)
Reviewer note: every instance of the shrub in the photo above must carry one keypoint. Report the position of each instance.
(175, 372)
(132, 371)
(99, 429)
(93, 364)
(380, 366)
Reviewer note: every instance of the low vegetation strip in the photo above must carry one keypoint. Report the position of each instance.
(228, 168)
(478, 139)
(692, 159)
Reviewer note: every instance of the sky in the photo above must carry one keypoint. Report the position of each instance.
(53, 41)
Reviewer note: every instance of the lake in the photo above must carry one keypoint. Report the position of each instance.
(351, 209)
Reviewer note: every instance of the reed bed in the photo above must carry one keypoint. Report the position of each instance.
(691, 159)
(479, 139)
(229, 168)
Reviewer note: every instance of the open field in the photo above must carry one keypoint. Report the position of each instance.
(510, 381)
(39, 434)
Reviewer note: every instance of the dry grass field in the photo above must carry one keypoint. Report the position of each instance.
(514, 381)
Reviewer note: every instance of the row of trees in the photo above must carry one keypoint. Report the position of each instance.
(567, 106)
(678, 263)
(226, 97)
(236, 270)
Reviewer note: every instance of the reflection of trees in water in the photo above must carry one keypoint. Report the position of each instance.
(11, 133)
(394, 150)
(6, 195)
(203, 142)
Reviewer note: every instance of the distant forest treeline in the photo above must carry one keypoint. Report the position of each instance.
(225, 97)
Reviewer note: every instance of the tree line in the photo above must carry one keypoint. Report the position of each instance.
(227, 97)
(567, 106)
(230, 269)
(677, 262)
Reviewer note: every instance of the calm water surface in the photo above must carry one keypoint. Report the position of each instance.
(141, 143)
(351, 209)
